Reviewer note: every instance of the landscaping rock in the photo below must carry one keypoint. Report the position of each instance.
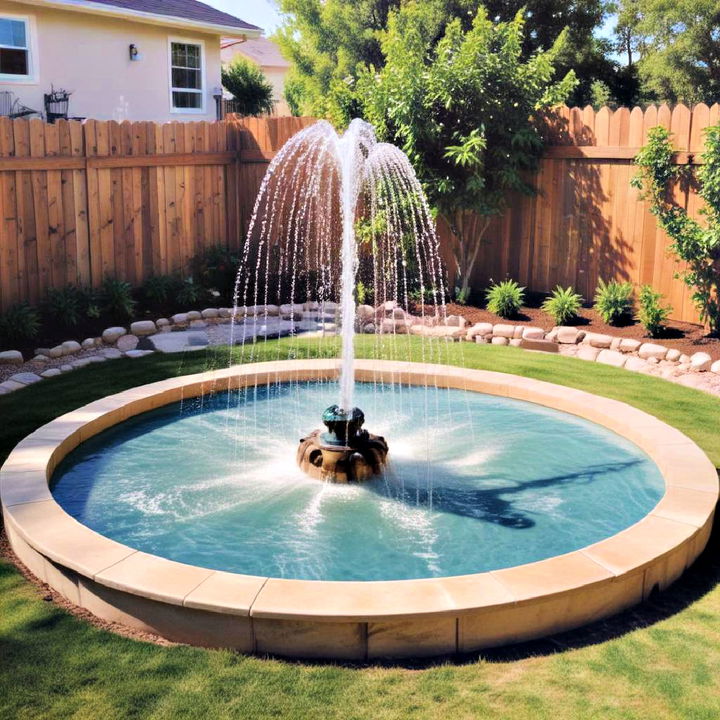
(180, 319)
(11, 357)
(479, 329)
(692, 380)
(673, 355)
(127, 342)
(80, 363)
(363, 312)
(111, 334)
(11, 386)
(515, 342)
(615, 344)
(569, 335)
(715, 367)
(25, 378)
(499, 340)
(70, 347)
(539, 345)
(51, 372)
(455, 321)
(532, 333)
(598, 340)
(87, 343)
(134, 354)
(701, 361)
(141, 328)
(40, 359)
(396, 327)
(210, 313)
(42, 351)
(194, 315)
(651, 350)
(635, 363)
(181, 341)
(314, 305)
(552, 335)
(611, 357)
(162, 322)
(111, 353)
(66, 368)
(503, 331)
(198, 324)
(369, 328)
(684, 359)
(587, 352)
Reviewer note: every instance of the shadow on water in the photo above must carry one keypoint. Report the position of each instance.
(455, 493)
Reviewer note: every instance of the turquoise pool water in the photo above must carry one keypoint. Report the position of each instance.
(475, 483)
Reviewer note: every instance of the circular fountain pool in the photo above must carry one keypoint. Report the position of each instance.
(475, 483)
(498, 478)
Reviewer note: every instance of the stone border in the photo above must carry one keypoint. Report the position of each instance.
(357, 620)
(270, 321)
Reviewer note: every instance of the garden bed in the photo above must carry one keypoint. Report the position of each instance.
(688, 338)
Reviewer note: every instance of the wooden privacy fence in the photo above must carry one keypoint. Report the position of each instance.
(82, 201)
(586, 222)
(79, 201)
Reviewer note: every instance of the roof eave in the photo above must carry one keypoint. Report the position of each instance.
(87, 6)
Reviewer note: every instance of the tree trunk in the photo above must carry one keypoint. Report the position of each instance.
(468, 230)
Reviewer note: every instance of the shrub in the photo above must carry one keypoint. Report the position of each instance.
(613, 301)
(505, 298)
(117, 299)
(562, 305)
(64, 305)
(157, 290)
(652, 314)
(19, 323)
(216, 269)
(70, 305)
(189, 293)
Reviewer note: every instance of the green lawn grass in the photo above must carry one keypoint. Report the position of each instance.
(660, 660)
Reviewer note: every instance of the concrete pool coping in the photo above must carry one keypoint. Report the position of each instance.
(357, 620)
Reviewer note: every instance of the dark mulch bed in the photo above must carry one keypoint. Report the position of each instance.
(686, 337)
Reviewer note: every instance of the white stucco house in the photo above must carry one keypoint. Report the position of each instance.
(121, 59)
(266, 55)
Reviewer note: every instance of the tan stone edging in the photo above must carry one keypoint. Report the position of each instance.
(357, 620)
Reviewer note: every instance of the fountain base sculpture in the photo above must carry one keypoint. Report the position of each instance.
(346, 452)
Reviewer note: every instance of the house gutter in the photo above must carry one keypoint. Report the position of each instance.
(89, 7)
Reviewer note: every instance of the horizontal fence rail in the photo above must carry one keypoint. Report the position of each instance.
(81, 201)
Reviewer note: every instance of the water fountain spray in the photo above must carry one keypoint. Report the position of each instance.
(317, 191)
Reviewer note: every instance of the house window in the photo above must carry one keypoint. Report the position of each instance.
(186, 76)
(15, 61)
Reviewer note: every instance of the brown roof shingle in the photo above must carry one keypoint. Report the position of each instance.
(185, 9)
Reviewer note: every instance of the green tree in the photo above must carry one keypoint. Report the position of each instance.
(678, 44)
(246, 81)
(695, 244)
(327, 40)
(460, 110)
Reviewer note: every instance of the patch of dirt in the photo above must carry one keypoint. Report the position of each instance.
(686, 337)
